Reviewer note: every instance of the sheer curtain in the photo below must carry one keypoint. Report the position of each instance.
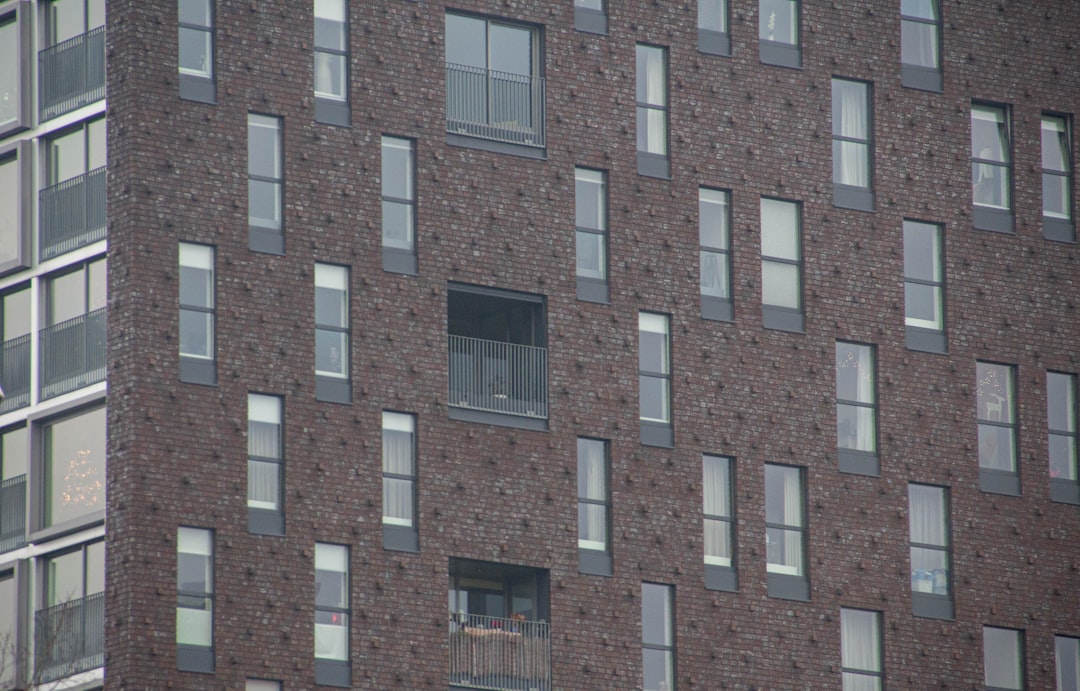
(264, 451)
(397, 461)
(651, 91)
(860, 648)
(851, 120)
(793, 516)
(592, 485)
(716, 502)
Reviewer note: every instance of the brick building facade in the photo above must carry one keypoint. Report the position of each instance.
(689, 345)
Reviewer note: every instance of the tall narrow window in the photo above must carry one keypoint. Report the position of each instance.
(71, 208)
(717, 506)
(399, 205)
(261, 685)
(920, 44)
(198, 357)
(73, 341)
(15, 348)
(70, 628)
(652, 112)
(14, 452)
(997, 428)
(332, 350)
(591, 16)
(991, 168)
(931, 561)
(75, 469)
(16, 197)
(778, 33)
(714, 231)
(1003, 659)
(781, 265)
(852, 151)
(860, 650)
(590, 211)
(16, 43)
(266, 513)
(265, 183)
(399, 482)
(856, 409)
(332, 615)
(657, 637)
(713, 35)
(1067, 658)
(1061, 421)
(11, 653)
(332, 61)
(195, 600)
(71, 69)
(594, 501)
(924, 287)
(654, 378)
(196, 59)
(785, 532)
(1057, 178)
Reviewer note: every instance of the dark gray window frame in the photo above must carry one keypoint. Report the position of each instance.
(920, 338)
(714, 42)
(593, 561)
(196, 370)
(656, 433)
(929, 605)
(398, 537)
(595, 289)
(330, 111)
(651, 164)
(591, 21)
(992, 480)
(198, 88)
(850, 196)
(783, 54)
(917, 76)
(20, 14)
(21, 153)
(718, 577)
(264, 239)
(787, 586)
(786, 318)
(1062, 229)
(1071, 677)
(1061, 489)
(716, 308)
(397, 260)
(672, 648)
(988, 218)
(192, 658)
(855, 461)
(878, 674)
(1021, 661)
(269, 521)
(334, 389)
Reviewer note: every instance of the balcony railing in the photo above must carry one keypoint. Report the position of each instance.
(72, 214)
(499, 654)
(12, 513)
(15, 373)
(71, 74)
(498, 377)
(73, 354)
(70, 638)
(502, 106)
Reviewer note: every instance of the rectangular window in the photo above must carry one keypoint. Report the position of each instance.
(713, 35)
(714, 231)
(657, 637)
(265, 184)
(15, 85)
(332, 62)
(718, 511)
(266, 469)
(196, 50)
(72, 204)
(14, 452)
(73, 612)
(71, 68)
(852, 146)
(652, 112)
(991, 168)
(1061, 423)
(399, 482)
(654, 379)
(11, 652)
(1057, 179)
(920, 44)
(594, 502)
(856, 409)
(399, 205)
(591, 16)
(1003, 659)
(332, 350)
(590, 212)
(778, 33)
(997, 428)
(781, 265)
(73, 341)
(16, 197)
(1067, 658)
(860, 650)
(494, 85)
(15, 348)
(931, 558)
(785, 532)
(74, 468)
(332, 615)
(195, 600)
(924, 287)
(197, 319)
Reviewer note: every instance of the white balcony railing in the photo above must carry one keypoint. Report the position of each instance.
(499, 654)
(498, 377)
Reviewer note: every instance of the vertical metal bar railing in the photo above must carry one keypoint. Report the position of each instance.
(497, 377)
(15, 373)
(502, 106)
(72, 214)
(12, 513)
(73, 354)
(69, 638)
(71, 74)
(499, 654)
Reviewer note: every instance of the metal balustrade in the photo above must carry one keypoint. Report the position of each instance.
(12, 513)
(502, 106)
(71, 74)
(73, 354)
(498, 377)
(69, 638)
(499, 654)
(72, 214)
(15, 373)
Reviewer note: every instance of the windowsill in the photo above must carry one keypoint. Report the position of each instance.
(785, 587)
(780, 54)
(266, 522)
(858, 462)
(654, 165)
(397, 261)
(932, 606)
(714, 42)
(856, 198)
(590, 21)
(592, 290)
(994, 220)
(266, 240)
(717, 309)
(1064, 491)
(922, 78)
(333, 390)
(783, 319)
(595, 562)
(724, 578)
(1058, 229)
(198, 371)
(333, 673)
(193, 658)
(400, 538)
(199, 89)
(926, 340)
(657, 434)
(470, 142)
(1004, 482)
(330, 112)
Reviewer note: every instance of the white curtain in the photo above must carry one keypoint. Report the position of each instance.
(398, 459)
(652, 90)
(926, 515)
(716, 502)
(860, 640)
(264, 442)
(712, 15)
(592, 485)
(793, 516)
(851, 120)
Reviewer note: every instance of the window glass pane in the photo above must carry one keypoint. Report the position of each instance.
(13, 453)
(712, 15)
(330, 23)
(397, 225)
(264, 426)
(997, 448)
(194, 566)
(97, 285)
(779, 229)
(989, 134)
(1063, 457)
(923, 306)
(264, 487)
(922, 258)
(398, 444)
(331, 353)
(715, 277)
(466, 41)
(713, 218)
(1055, 145)
(67, 296)
(780, 285)
(1001, 657)
(75, 467)
(717, 486)
(195, 52)
(397, 501)
(67, 19)
(95, 144)
(1068, 662)
(851, 163)
(511, 49)
(860, 682)
(592, 469)
(10, 94)
(654, 399)
(95, 568)
(331, 295)
(591, 255)
(656, 614)
(926, 515)
(653, 343)
(652, 130)
(66, 156)
(860, 640)
(331, 576)
(195, 12)
(196, 276)
(397, 172)
(597, 5)
(656, 670)
(330, 76)
(264, 146)
(589, 202)
(8, 618)
(95, 14)
(64, 578)
(923, 9)
(990, 185)
(1060, 396)
(264, 204)
(331, 635)
(779, 21)
(783, 495)
(855, 428)
(849, 112)
(10, 222)
(651, 76)
(16, 313)
(261, 685)
(994, 386)
(854, 372)
(1056, 197)
(919, 44)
